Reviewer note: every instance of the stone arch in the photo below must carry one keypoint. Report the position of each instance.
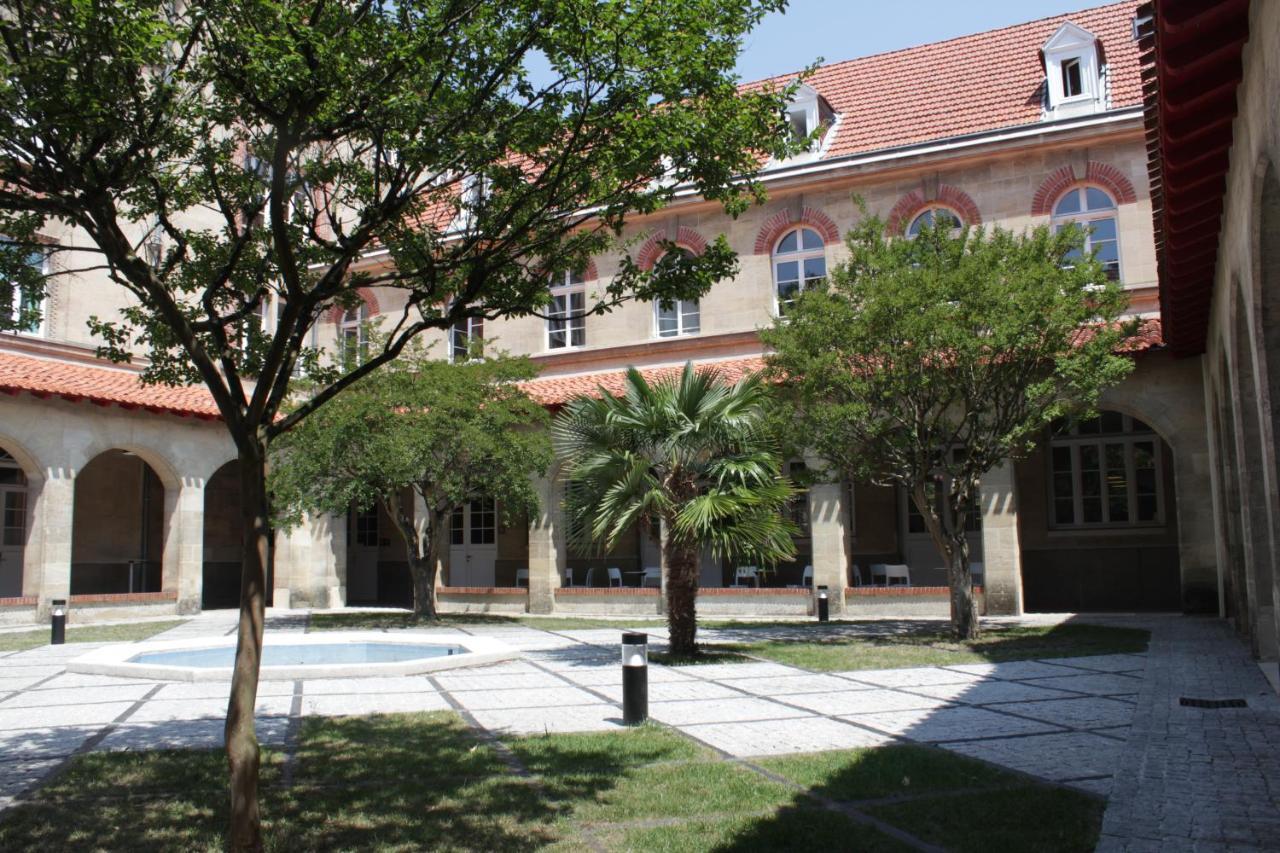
(1064, 178)
(27, 459)
(686, 238)
(18, 492)
(370, 300)
(948, 196)
(119, 523)
(786, 219)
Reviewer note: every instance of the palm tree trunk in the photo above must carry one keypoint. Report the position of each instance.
(682, 598)
(241, 740)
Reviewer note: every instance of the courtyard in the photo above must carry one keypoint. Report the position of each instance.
(739, 754)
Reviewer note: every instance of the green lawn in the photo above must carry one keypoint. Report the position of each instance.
(425, 781)
(21, 640)
(834, 648)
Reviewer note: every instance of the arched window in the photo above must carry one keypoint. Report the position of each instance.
(353, 333)
(1095, 210)
(927, 217)
(799, 263)
(566, 319)
(678, 316)
(1105, 471)
(466, 338)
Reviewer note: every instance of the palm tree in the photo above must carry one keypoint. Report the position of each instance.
(689, 456)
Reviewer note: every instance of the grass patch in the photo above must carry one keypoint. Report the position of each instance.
(426, 781)
(836, 649)
(22, 640)
(399, 620)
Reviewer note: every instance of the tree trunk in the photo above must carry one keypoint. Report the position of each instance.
(421, 546)
(682, 597)
(964, 605)
(240, 737)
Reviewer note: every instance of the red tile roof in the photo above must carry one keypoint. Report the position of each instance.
(558, 390)
(102, 385)
(982, 82)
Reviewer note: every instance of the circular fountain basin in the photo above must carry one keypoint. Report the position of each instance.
(349, 654)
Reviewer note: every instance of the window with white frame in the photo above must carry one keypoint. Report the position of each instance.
(807, 114)
(799, 263)
(676, 317)
(1105, 471)
(466, 337)
(1095, 211)
(931, 215)
(1074, 77)
(353, 334)
(484, 521)
(566, 318)
(22, 308)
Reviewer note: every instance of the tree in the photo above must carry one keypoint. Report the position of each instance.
(929, 361)
(230, 159)
(689, 456)
(448, 433)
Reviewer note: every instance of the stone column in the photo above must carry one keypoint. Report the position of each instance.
(48, 574)
(292, 581)
(548, 548)
(182, 561)
(329, 558)
(1001, 548)
(829, 532)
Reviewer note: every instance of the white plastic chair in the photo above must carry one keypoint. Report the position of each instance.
(879, 570)
(652, 576)
(806, 577)
(977, 573)
(615, 576)
(746, 573)
(568, 577)
(522, 577)
(900, 572)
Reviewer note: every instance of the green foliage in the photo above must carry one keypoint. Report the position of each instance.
(975, 340)
(223, 159)
(451, 432)
(691, 451)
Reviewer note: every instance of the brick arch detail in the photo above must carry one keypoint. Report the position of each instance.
(686, 238)
(782, 221)
(911, 204)
(370, 300)
(1064, 178)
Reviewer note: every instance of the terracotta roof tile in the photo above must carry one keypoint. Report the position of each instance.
(102, 385)
(975, 83)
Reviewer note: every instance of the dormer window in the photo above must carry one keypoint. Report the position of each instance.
(807, 115)
(1075, 78)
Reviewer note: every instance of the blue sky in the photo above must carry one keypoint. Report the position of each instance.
(844, 29)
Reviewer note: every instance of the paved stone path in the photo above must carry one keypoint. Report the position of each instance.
(1193, 777)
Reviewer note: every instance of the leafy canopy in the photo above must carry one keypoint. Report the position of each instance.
(692, 451)
(971, 339)
(228, 159)
(450, 432)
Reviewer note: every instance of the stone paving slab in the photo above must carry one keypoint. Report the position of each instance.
(863, 701)
(789, 685)
(188, 734)
(1101, 684)
(951, 723)
(1012, 670)
(484, 700)
(43, 742)
(18, 775)
(94, 714)
(376, 686)
(1054, 756)
(742, 709)
(918, 676)
(573, 718)
(338, 705)
(464, 680)
(1106, 663)
(166, 710)
(20, 682)
(989, 692)
(219, 690)
(1092, 713)
(76, 696)
(674, 690)
(83, 679)
(772, 737)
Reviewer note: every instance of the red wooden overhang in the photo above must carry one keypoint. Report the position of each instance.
(1191, 56)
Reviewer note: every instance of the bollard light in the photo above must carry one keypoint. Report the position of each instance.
(824, 605)
(59, 621)
(635, 677)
